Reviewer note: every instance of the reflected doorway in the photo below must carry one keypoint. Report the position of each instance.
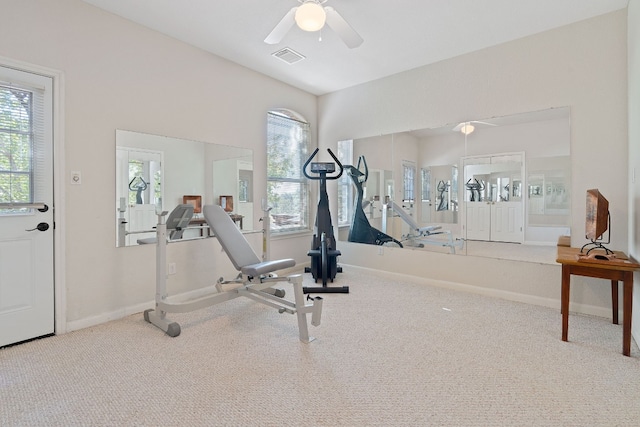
(494, 206)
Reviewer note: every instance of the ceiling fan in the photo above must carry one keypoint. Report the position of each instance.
(311, 15)
(467, 127)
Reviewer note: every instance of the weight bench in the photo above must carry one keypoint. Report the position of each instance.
(419, 236)
(177, 221)
(253, 281)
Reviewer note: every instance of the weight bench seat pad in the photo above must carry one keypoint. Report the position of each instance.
(255, 270)
(237, 247)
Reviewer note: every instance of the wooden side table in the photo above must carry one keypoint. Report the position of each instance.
(619, 269)
(237, 219)
(202, 223)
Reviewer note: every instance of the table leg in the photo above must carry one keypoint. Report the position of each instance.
(614, 300)
(564, 298)
(627, 301)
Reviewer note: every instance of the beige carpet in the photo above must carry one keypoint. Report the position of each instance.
(387, 354)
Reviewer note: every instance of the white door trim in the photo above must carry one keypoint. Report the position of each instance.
(60, 289)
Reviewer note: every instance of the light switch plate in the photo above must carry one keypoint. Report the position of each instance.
(76, 177)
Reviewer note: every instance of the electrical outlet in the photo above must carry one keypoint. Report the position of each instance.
(172, 268)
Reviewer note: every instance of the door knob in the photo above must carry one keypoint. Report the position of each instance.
(43, 226)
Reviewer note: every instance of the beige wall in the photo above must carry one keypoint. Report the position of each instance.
(634, 149)
(118, 75)
(583, 66)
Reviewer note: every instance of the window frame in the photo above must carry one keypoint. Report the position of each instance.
(283, 219)
(408, 181)
(23, 144)
(346, 193)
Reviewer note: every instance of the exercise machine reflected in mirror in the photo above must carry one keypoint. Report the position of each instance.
(438, 196)
(361, 230)
(176, 224)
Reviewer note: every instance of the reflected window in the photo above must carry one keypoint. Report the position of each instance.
(426, 185)
(287, 188)
(345, 186)
(243, 190)
(409, 181)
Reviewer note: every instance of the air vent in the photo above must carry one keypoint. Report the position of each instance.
(288, 55)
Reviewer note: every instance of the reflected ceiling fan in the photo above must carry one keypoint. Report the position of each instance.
(311, 15)
(468, 127)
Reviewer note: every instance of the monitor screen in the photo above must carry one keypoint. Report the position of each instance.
(597, 218)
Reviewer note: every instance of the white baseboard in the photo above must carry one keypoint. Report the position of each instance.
(108, 317)
(495, 293)
(539, 243)
(139, 308)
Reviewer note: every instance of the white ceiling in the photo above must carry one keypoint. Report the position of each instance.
(398, 34)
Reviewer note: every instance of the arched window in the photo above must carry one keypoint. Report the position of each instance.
(287, 188)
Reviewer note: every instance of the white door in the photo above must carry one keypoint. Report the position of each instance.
(26, 207)
(138, 193)
(506, 222)
(142, 220)
(499, 216)
(478, 220)
(426, 209)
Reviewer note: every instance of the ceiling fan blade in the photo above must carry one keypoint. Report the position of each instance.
(337, 23)
(283, 27)
(483, 123)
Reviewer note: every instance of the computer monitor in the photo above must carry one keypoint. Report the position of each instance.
(597, 220)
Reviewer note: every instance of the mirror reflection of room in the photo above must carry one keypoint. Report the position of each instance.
(377, 189)
(439, 194)
(516, 167)
(157, 173)
(493, 214)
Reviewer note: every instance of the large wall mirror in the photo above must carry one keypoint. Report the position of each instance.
(157, 173)
(485, 187)
(377, 190)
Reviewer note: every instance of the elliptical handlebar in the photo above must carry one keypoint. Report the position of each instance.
(338, 175)
(366, 169)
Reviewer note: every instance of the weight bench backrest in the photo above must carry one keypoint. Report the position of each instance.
(176, 223)
(178, 220)
(410, 221)
(230, 237)
(238, 250)
(405, 217)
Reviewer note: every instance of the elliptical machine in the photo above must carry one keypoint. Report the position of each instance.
(361, 230)
(323, 253)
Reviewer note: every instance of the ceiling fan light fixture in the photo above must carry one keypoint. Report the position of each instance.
(310, 16)
(467, 128)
